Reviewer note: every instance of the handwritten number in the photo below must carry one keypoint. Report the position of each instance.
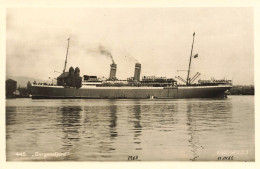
(226, 158)
(131, 158)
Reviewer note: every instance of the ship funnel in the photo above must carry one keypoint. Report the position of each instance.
(77, 72)
(137, 71)
(112, 75)
(71, 71)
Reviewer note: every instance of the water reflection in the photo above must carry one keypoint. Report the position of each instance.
(194, 139)
(113, 121)
(70, 124)
(106, 130)
(11, 115)
(203, 117)
(137, 124)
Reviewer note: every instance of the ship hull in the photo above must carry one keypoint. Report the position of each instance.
(51, 92)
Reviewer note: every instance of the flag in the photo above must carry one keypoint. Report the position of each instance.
(194, 34)
(195, 56)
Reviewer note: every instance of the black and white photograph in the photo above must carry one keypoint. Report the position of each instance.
(121, 84)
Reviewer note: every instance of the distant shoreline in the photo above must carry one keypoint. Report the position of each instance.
(242, 90)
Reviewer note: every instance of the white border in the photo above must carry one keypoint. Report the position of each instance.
(4, 4)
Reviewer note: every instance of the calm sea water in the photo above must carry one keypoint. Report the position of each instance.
(122, 130)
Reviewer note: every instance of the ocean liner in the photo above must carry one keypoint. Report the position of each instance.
(70, 85)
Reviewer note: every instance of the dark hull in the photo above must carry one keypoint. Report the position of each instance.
(48, 92)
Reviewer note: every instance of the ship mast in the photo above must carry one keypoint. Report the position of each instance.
(188, 76)
(66, 56)
(66, 60)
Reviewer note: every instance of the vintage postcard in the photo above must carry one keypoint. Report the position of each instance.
(130, 84)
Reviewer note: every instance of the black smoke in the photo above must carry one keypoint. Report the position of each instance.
(105, 52)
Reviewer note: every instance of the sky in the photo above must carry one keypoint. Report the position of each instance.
(158, 38)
